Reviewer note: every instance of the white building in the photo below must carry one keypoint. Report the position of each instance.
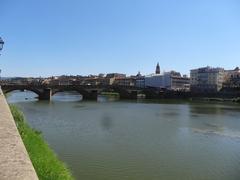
(158, 81)
(169, 80)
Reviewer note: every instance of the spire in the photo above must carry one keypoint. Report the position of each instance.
(157, 69)
(139, 74)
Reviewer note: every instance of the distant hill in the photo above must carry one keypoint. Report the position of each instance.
(6, 78)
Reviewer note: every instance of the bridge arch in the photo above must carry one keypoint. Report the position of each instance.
(80, 91)
(126, 94)
(86, 94)
(6, 91)
(45, 92)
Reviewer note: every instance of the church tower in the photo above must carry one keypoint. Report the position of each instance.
(157, 69)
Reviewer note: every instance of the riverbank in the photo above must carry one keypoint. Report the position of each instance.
(113, 94)
(44, 160)
(234, 100)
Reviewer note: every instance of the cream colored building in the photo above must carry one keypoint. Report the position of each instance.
(207, 79)
(232, 78)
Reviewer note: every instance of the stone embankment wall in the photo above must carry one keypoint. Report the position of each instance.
(15, 163)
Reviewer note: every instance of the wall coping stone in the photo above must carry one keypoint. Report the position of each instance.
(15, 163)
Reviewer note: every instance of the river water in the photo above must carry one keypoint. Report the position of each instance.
(138, 140)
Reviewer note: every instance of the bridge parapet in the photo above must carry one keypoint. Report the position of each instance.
(88, 92)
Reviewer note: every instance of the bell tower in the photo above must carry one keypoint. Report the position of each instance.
(157, 69)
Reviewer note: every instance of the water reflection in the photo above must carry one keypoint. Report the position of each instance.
(218, 131)
(106, 98)
(218, 108)
(106, 122)
(67, 96)
(205, 109)
(215, 119)
(79, 106)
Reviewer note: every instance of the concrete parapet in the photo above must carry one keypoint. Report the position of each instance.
(15, 163)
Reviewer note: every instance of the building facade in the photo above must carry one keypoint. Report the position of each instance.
(157, 81)
(180, 83)
(207, 79)
(115, 75)
(127, 81)
(140, 82)
(169, 80)
(232, 78)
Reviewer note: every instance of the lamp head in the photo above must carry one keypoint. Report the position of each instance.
(1, 44)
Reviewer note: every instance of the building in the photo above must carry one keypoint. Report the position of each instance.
(169, 80)
(157, 81)
(232, 78)
(115, 75)
(106, 81)
(60, 80)
(127, 81)
(96, 81)
(231, 73)
(180, 83)
(140, 80)
(206, 79)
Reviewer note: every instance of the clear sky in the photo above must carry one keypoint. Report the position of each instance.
(54, 37)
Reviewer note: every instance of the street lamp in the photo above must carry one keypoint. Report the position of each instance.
(1, 47)
(1, 44)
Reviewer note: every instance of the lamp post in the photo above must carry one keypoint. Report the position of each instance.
(1, 47)
(1, 44)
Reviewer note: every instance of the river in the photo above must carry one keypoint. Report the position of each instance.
(138, 140)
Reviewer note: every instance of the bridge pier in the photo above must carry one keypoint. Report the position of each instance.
(128, 95)
(134, 95)
(93, 95)
(46, 94)
(151, 94)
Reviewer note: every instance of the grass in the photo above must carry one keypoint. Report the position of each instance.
(110, 94)
(44, 160)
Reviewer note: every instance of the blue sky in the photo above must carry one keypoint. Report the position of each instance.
(54, 37)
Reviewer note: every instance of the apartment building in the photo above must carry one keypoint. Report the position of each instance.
(207, 79)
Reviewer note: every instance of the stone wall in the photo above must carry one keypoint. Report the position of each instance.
(15, 163)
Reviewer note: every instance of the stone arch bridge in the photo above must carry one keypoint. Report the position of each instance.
(88, 92)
